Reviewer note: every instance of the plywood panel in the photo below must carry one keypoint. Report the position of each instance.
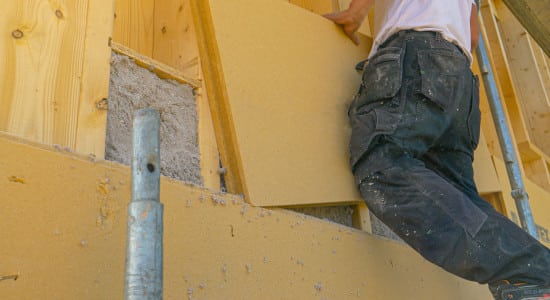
(285, 99)
(54, 65)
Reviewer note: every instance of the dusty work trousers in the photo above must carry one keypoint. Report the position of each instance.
(415, 125)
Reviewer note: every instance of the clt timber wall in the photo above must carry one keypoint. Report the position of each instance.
(54, 65)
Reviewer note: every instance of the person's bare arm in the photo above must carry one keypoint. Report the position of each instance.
(474, 27)
(350, 19)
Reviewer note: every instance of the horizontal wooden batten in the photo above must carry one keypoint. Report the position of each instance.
(162, 70)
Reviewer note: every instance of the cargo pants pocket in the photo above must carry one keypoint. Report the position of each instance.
(381, 77)
(369, 116)
(440, 71)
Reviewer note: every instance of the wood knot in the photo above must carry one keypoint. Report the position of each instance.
(102, 104)
(17, 34)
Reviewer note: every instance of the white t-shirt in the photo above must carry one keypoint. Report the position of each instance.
(450, 17)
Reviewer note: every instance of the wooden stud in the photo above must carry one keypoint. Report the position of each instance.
(496, 201)
(92, 116)
(217, 96)
(361, 217)
(208, 148)
(162, 70)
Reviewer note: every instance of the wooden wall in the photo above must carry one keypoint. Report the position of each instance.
(521, 69)
(54, 68)
(164, 30)
(160, 29)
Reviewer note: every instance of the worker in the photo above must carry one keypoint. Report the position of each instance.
(415, 125)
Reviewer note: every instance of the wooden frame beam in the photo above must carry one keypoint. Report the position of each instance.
(534, 15)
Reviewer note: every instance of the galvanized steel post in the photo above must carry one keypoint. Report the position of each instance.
(506, 143)
(143, 279)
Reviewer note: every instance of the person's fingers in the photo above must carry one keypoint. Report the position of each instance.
(354, 38)
(349, 28)
(335, 17)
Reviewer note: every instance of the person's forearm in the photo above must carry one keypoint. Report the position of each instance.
(474, 27)
(360, 8)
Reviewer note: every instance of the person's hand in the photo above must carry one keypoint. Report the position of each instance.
(349, 22)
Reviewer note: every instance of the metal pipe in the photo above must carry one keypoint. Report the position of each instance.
(506, 143)
(143, 278)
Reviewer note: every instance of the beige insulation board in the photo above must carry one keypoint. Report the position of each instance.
(289, 78)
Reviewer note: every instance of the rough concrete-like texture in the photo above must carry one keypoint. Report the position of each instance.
(132, 88)
(338, 214)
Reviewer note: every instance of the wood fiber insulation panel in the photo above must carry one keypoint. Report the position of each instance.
(54, 71)
(318, 6)
(280, 80)
(65, 234)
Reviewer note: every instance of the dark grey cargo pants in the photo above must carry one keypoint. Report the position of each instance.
(415, 126)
